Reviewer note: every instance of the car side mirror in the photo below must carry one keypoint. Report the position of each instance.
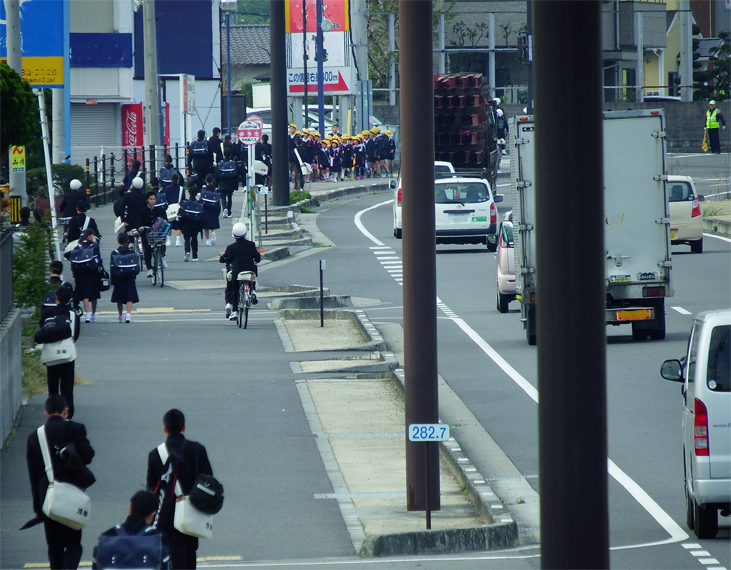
(672, 370)
(498, 198)
(701, 198)
(392, 184)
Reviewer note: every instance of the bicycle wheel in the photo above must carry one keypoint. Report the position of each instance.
(246, 316)
(239, 319)
(246, 304)
(155, 256)
(161, 267)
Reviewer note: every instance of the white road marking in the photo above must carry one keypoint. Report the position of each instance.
(676, 533)
(718, 237)
(681, 310)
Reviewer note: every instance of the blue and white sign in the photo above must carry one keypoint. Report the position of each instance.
(428, 432)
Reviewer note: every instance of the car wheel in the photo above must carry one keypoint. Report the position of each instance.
(638, 333)
(491, 246)
(530, 326)
(397, 233)
(697, 246)
(502, 302)
(706, 520)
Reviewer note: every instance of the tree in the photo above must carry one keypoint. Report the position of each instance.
(713, 83)
(18, 123)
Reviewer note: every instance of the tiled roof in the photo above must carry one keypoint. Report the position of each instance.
(707, 47)
(249, 45)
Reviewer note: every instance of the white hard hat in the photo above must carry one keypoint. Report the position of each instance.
(239, 230)
(137, 182)
(75, 184)
(497, 101)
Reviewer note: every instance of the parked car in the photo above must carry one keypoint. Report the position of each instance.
(505, 265)
(441, 169)
(705, 372)
(686, 220)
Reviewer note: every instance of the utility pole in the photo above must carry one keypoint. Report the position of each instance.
(686, 51)
(280, 150)
(16, 180)
(152, 97)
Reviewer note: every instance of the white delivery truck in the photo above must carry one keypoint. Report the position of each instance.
(636, 221)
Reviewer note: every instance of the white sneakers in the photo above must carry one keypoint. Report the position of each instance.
(164, 263)
(128, 318)
(187, 257)
(178, 241)
(213, 238)
(93, 317)
(225, 214)
(195, 259)
(149, 273)
(233, 316)
(208, 242)
(120, 318)
(229, 308)
(167, 240)
(88, 318)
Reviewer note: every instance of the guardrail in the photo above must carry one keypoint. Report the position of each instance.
(6, 281)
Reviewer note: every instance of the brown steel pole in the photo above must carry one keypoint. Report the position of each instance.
(280, 149)
(571, 328)
(419, 257)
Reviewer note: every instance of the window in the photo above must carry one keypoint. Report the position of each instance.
(467, 193)
(718, 374)
(680, 192)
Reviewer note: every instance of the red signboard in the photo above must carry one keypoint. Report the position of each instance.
(334, 16)
(132, 128)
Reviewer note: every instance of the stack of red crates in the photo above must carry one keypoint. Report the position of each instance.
(464, 135)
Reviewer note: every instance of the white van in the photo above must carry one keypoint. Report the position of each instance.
(706, 376)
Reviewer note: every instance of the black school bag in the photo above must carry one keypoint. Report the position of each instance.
(125, 264)
(82, 258)
(206, 494)
(53, 329)
(124, 550)
(191, 210)
(210, 198)
(227, 169)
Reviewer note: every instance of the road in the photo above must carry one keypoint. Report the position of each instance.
(238, 392)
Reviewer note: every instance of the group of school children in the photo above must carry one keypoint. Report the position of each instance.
(340, 157)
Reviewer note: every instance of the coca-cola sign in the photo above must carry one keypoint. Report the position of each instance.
(132, 129)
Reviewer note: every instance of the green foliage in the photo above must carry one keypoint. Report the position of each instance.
(714, 83)
(63, 174)
(299, 195)
(19, 111)
(30, 268)
(252, 12)
(246, 90)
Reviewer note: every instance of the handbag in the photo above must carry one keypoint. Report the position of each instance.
(64, 503)
(187, 519)
(118, 225)
(104, 283)
(59, 352)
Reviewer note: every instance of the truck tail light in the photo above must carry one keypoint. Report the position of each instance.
(696, 208)
(700, 429)
(398, 197)
(493, 213)
(653, 291)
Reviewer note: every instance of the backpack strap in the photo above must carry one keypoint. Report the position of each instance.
(162, 450)
(41, 431)
(86, 222)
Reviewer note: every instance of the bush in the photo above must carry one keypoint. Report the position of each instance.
(30, 268)
(299, 195)
(63, 174)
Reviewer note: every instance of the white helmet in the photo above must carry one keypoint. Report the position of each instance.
(75, 184)
(239, 230)
(137, 182)
(497, 101)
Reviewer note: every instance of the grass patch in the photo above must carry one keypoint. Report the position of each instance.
(34, 373)
(304, 210)
(712, 209)
(298, 196)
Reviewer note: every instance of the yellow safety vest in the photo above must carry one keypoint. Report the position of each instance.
(711, 122)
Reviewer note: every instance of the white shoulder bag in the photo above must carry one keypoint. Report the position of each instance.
(174, 209)
(188, 520)
(64, 503)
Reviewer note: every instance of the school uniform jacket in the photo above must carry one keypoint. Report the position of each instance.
(241, 255)
(58, 433)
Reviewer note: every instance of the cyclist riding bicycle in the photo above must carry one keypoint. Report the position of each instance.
(239, 256)
(147, 218)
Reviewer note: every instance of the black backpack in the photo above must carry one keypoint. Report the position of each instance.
(166, 175)
(206, 494)
(210, 198)
(53, 329)
(199, 149)
(125, 264)
(191, 210)
(82, 258)
(123, 550)
(227, 169)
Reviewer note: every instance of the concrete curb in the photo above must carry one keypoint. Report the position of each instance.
(375, 344)
(382, 368)
(275, 254)
(329, 302)
(335, 193)
(722, 227)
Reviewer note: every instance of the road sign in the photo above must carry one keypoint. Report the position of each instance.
(428, 432)
(249, 131)
(17, 158)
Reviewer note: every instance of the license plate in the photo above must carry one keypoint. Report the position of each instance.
(634, 315)
(457, 218)
(672, 234)
(479, 219)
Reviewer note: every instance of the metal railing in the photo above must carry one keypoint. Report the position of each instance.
(6, 280)
(105, 171)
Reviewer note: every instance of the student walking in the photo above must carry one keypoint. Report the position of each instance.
(200, 159)
(60, 376)
(176, 460)
(228, 180)
(64, 543)
(85, 263)
(123, 271)
(80, 222)
(191, 223)
(211, 198)
(175, 194)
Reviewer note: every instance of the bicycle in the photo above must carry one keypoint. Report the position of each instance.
(156, 239)
(245, 278)
(135, 240)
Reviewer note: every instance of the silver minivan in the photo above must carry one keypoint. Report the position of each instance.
(705, 372)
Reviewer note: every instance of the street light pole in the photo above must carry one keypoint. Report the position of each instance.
(228, 6)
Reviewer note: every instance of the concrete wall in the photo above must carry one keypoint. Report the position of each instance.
(10, 371)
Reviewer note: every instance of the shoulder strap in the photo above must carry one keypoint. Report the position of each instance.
(180, 195)
(41, 431)
(162, 450)
(86, 222)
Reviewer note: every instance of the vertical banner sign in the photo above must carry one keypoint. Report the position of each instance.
(41, 38)
(132, 127)
(17, 158)
(338, 66)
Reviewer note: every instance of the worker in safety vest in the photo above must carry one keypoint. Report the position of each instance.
(714, 123)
